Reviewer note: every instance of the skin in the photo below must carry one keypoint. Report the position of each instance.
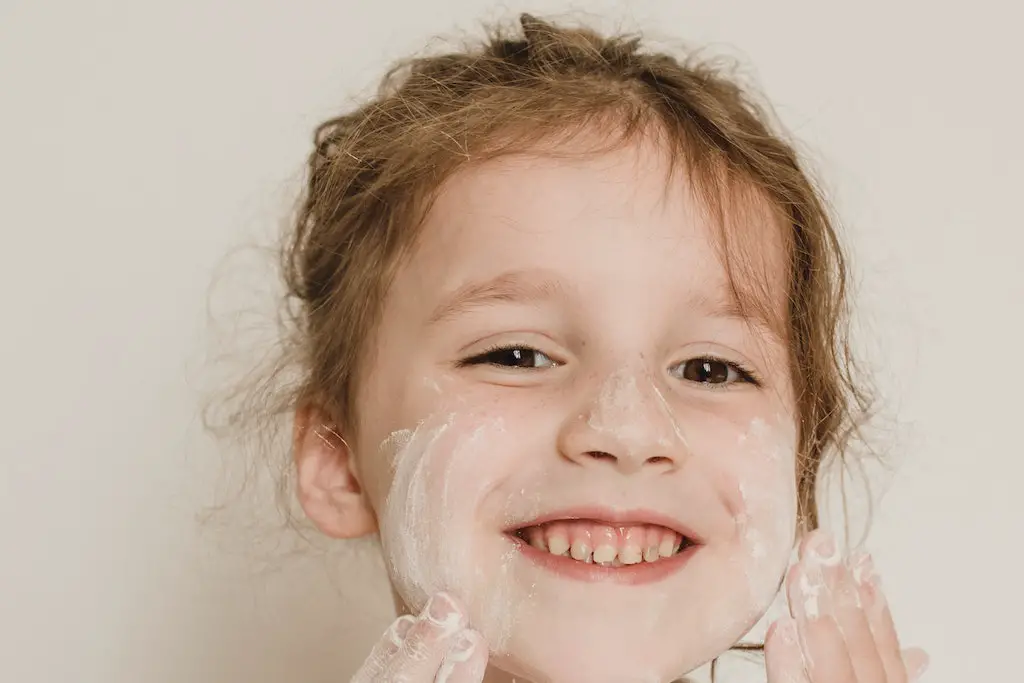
(611, 289)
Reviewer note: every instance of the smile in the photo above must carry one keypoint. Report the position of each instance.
(599, 546)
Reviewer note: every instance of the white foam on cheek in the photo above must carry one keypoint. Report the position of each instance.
(769, 506)
(754, 538)
(431, 383)
(405, 528)
(495, 608)
(427, 527)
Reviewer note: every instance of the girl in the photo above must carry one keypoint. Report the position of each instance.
(569, 318)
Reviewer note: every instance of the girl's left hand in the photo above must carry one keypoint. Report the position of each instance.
(841, 630)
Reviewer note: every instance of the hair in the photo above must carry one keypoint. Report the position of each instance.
(374, 172)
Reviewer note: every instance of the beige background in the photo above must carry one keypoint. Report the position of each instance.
(140, 140)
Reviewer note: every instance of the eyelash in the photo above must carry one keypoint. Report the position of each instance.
(745, 374)
(480, 358)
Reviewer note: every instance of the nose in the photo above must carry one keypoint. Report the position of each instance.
(625, 423)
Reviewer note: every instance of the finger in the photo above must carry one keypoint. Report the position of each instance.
(825, 654)
(876, 608)
(783, 659)
(396, 633)
(916, 661)
(384, 650)
(853, 622)
(466, 660)
(422, 650)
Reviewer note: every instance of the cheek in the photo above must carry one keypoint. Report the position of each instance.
(765, 481)
(441, 473)
(428, 411)
(751, 467)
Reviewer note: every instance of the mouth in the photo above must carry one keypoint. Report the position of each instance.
(602, 545)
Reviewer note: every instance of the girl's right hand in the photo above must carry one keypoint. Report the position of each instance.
(434, 646)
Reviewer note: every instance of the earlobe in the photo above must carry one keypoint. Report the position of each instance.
(328, 489)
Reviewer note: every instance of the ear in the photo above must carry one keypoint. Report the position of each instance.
(328, 488)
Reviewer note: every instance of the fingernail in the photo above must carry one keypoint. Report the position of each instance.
(862, 566)
(824, 548)
(464, 645)
(442, 610)
(400, 628)
(461, 650)
(919, 670)
(812, 588)
(867, 578)
(814, 577)
(786, 630)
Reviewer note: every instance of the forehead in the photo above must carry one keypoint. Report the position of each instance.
(624, 217)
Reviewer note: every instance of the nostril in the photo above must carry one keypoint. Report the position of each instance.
(601, 455)
(659, 460)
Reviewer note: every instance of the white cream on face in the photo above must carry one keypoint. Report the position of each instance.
(621, 409)
(767, 523)
(440, 471)
(427, 525)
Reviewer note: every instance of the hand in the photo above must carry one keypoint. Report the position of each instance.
(842, 630)
(434, 646)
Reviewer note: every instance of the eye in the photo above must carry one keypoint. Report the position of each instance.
(511, 357)
(714, 371)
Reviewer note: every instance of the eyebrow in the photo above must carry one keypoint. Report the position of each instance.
(533, 286)
(516, 286)
(726, 306)
(722, 305)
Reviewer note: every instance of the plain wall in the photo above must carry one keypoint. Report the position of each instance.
(141, 140)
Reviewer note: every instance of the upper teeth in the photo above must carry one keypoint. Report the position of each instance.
(603, 544)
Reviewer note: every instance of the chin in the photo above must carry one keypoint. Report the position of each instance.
(563, 623)
(601, 652)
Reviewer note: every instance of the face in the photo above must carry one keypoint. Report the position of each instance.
(566, 424)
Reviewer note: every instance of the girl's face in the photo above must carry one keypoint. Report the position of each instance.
(566, 424)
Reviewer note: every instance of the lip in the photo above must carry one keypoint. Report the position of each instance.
(602, 515)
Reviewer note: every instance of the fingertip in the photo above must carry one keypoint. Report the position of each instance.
(916, 662)
(792, 584)
(808, 539)
(783, 655)
(824, 547)
(806, 590)
(770, 633)
(444, 610)
(466, 643)
(400, 628)
(784, 630)
(466, 659)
